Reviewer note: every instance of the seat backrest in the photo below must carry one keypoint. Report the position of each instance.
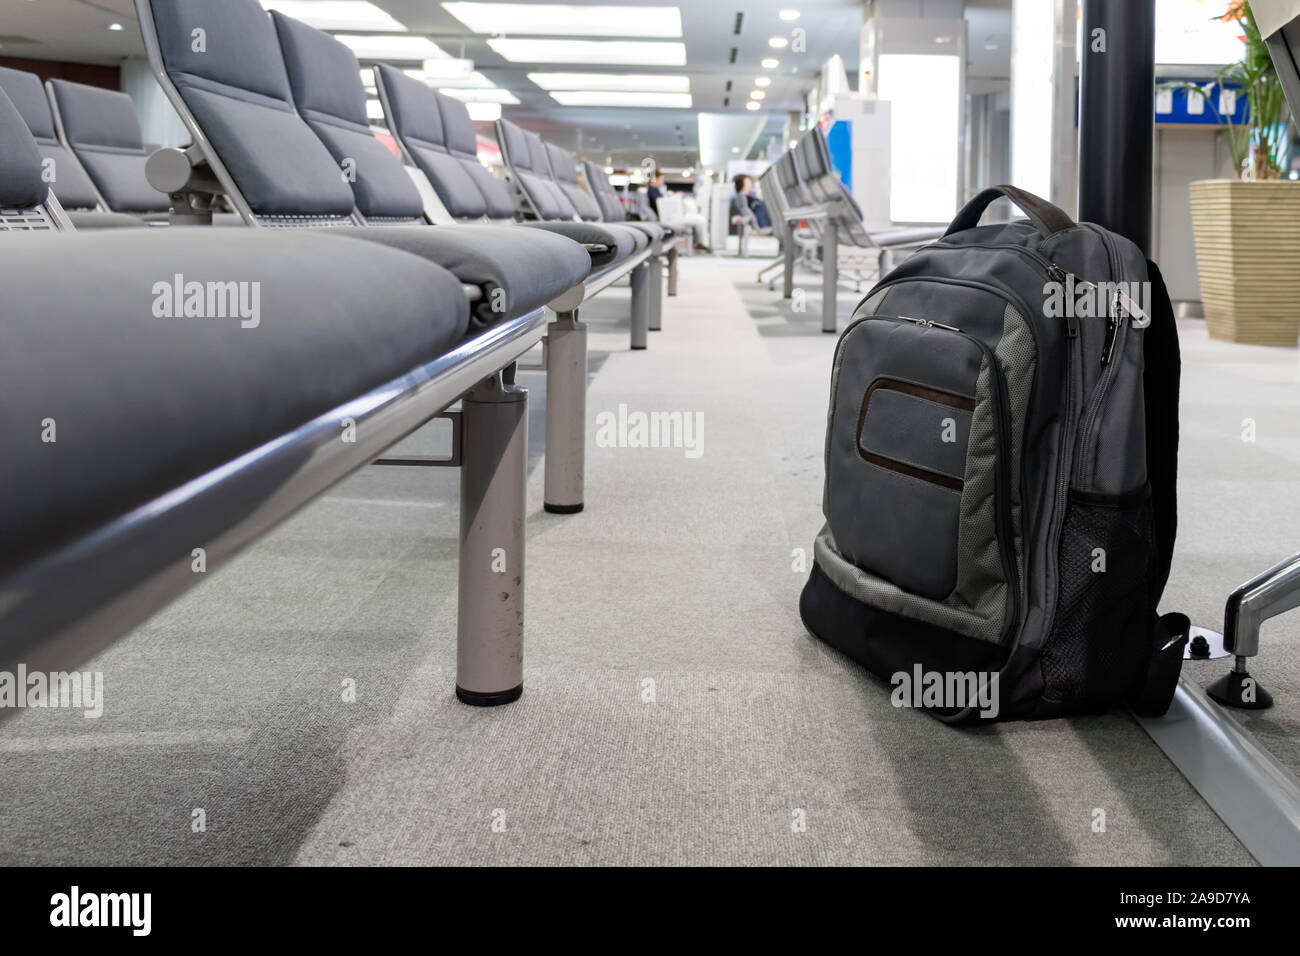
(325, 79)
(224, 61)
(770, 186)
(827, 186)
(598, 182)
(101, 127)
(438, 135)
(23, 189)
(564, 169)
(525, 156)
(64, 174)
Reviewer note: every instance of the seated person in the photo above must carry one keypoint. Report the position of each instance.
(697, 224)
(746, 207)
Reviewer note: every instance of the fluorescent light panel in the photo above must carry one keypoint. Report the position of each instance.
(391, 47)
(493, 95)
(563, 19)
(603, 52)
(337, 14)
(633, 82)
(681, 101)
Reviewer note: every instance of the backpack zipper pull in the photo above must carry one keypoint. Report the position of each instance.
(1059, 276)
(1112, 329)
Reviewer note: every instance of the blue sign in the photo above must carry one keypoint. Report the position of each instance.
(1217, 102)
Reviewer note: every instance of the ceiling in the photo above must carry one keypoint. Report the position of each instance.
(724, 43)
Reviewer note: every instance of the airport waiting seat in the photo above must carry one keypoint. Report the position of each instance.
(75, 192)
(598, 185)
(279, 169)
(437, 136)
(102, 129)
(204, 377)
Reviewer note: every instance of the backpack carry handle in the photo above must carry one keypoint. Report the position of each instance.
(1046, 217)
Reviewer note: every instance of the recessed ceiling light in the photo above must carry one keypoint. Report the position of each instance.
(778, 43)
(757, 95)
(628, 98)
(609, 170)
(604, 52)
(770, 63)
(391, 47)
(788, 14)
(752, 105)
(763, 81)
(337, 14)
(735, 149)
(471, 95)
(564, 19)
(639, 82)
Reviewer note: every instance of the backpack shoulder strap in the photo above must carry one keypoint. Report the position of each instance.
(1162, 373)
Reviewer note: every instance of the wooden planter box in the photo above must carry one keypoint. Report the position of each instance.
(1248, 256)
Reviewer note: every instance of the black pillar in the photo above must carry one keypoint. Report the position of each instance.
(1117, 115)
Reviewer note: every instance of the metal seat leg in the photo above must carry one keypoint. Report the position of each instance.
(493, 502)
(566, 413)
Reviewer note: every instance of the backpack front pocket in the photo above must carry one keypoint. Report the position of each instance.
(917, 463)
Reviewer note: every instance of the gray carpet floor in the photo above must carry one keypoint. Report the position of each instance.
(675, 710)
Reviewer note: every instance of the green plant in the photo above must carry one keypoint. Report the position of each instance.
(1265, 127)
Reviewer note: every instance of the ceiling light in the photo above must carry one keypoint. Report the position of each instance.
(564, 19)
(115, 27)
(392, 47)
(763, 81)
(627, 98)
(484, 112)
(471, 95)
(609, 170)
(637, 82)
(735, 149)
(778, 43)
(448, 68)
(771, 63)
(788, 14)
(337, 14)
(605, 52)
(752, 105)
(757, 95)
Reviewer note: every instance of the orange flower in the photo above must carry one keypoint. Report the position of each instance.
(1236, 11)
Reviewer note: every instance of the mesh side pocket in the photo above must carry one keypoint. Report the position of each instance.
(1101, 631)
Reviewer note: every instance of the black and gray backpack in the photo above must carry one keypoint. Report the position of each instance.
(1001, 457)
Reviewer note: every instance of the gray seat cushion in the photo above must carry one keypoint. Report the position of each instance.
(620, 242)
(237, 88)
(326, 81)
(103, 130)
(142, 404)
(71, 185)
(439, 136)
(519, 270)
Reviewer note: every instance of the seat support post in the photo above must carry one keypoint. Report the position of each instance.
(640, 306)
(787, 276)
(656, 290)
(493, 492)
(830, 278)
(672, 269)
(566, 413)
